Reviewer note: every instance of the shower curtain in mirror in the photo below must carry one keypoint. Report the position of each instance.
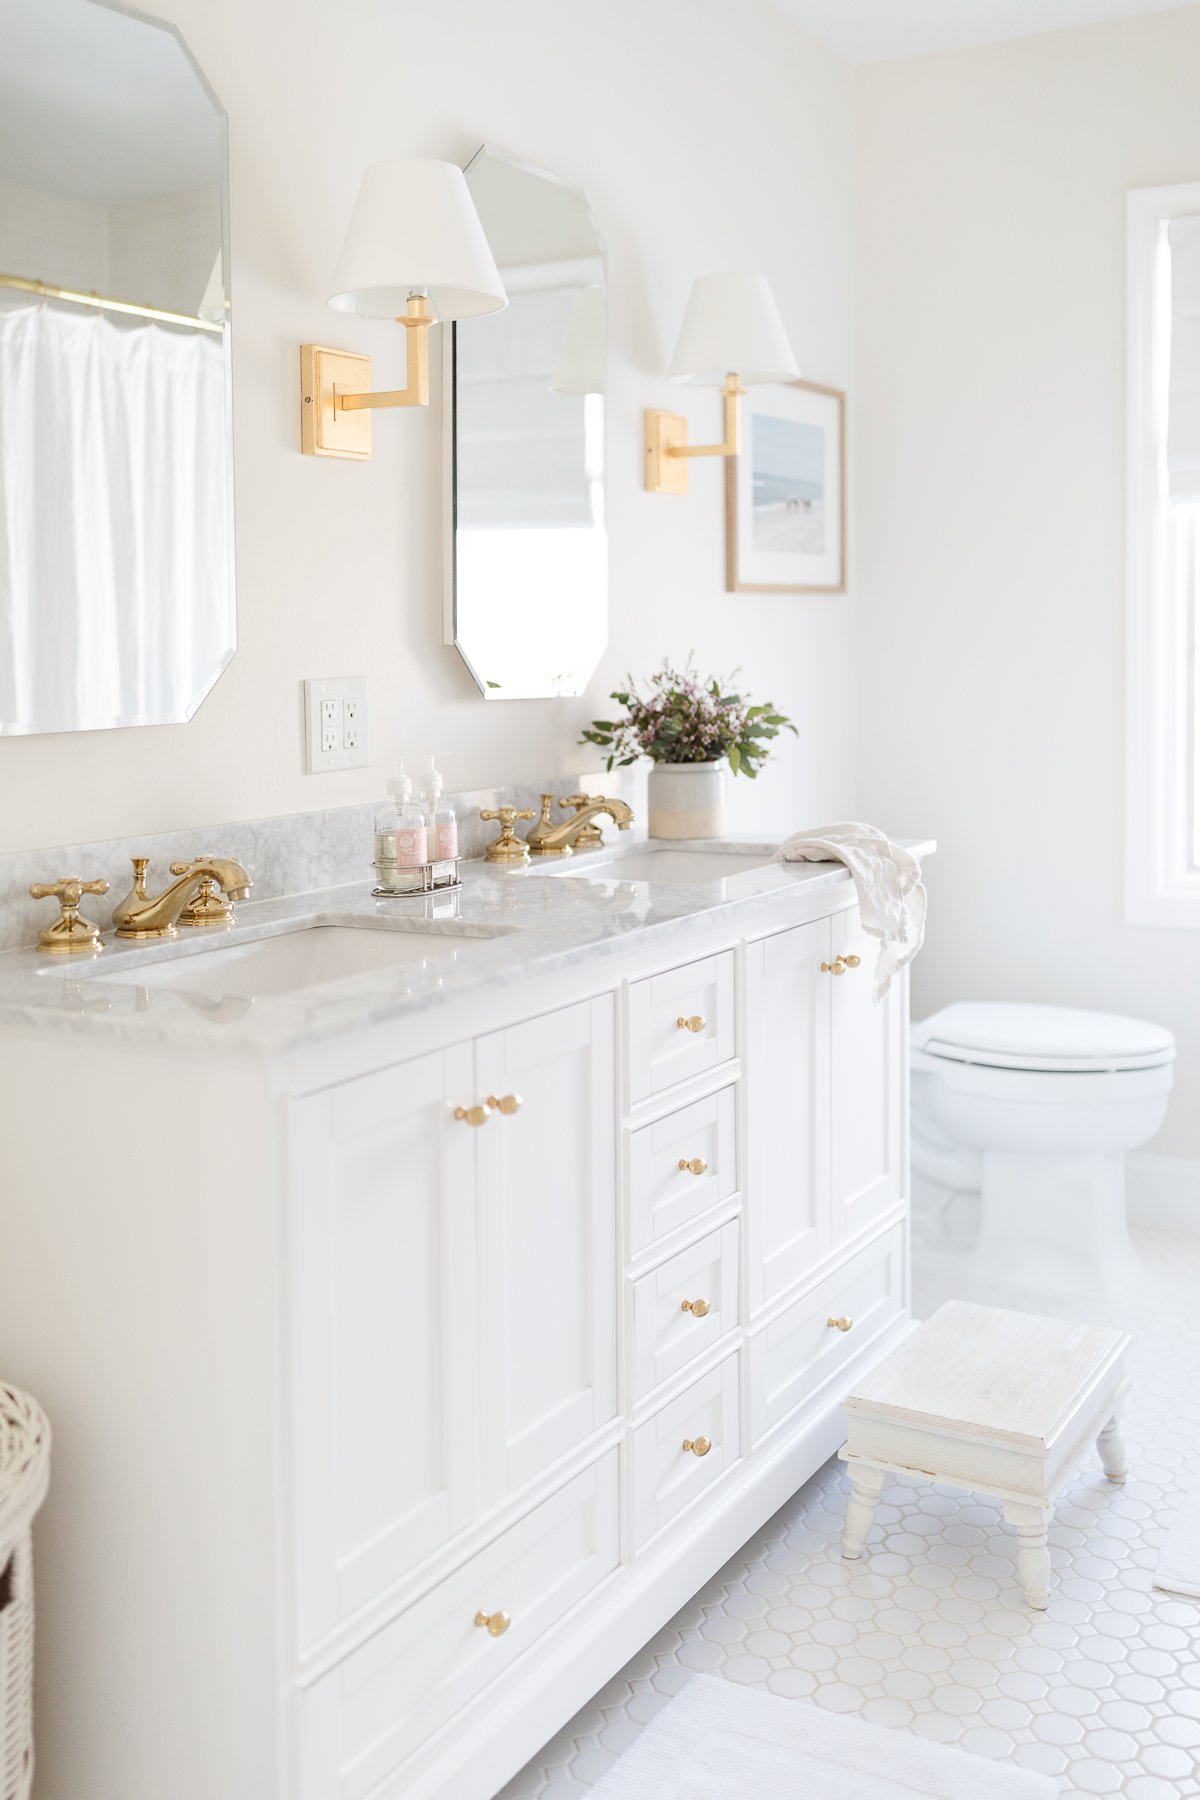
(116, 580)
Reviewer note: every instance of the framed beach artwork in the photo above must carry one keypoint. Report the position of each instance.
(785, 494)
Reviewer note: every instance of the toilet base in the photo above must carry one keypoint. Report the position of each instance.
(1056, 1222)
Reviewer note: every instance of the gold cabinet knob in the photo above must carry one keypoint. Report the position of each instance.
(698, 1446)
(697, 1308)
(842, 1324)
(506, 1104)
(496, 1624)
(695, 1023)
(694, 1165)
(840, 964)
(473, 1115)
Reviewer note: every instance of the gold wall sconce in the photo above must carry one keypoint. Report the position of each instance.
(415, 252)
(732, 337)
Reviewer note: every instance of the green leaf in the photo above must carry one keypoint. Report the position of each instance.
(493, 684)
(735, 758)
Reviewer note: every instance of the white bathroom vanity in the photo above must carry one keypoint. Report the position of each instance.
(429, 1297)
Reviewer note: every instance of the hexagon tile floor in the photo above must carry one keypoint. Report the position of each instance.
(930, 1634)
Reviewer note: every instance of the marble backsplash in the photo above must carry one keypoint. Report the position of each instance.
(295, 853)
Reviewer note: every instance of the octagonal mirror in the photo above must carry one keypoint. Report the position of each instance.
(526, 567)
(116, 514)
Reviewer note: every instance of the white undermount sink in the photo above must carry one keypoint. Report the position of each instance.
(294, 960)
(662, 863)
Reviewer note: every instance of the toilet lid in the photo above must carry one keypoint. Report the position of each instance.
(1009, 1036)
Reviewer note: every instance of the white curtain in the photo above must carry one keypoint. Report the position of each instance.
(1183, 415)
(116, 547)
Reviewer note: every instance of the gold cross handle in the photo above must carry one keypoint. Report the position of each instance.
(69, 932)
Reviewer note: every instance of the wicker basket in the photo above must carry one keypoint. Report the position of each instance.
(24, 1478)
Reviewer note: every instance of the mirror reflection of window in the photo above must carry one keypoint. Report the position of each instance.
(530, 598)
(116, 573)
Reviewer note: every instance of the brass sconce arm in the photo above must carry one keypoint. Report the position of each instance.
(667, 445)
(336, 397)
(417, 321)
(731, 444)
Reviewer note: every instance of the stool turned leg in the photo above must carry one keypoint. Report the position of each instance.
(866, 1485)
(1112, 1450)
(1033, 1555)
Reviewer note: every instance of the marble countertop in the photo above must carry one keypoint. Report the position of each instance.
(501, 927)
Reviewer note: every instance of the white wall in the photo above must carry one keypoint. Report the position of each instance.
(707, 136)
(991, 368)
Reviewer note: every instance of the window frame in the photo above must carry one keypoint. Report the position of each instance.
(1162, 879)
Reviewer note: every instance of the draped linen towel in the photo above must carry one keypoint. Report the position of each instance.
(891, 895)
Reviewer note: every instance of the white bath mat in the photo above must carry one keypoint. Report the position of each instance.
(719, 1741)
(1179, 1564)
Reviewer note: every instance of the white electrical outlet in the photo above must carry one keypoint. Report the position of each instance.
(351, 724)
(335, 724)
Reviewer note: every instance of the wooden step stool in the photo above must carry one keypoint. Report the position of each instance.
(1001, 1403)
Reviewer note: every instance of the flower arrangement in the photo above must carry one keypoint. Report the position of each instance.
(686, 720)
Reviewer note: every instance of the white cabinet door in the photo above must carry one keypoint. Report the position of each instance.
(383, 1328)
(547, 1271)
(684, 1448)
(808, 1343)
(867, 1062)
(684, 1307)
(369, 1713)
(682, 1166)
(787, 1108)
(681, 1023)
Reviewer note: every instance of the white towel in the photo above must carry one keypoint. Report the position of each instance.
(891, 895)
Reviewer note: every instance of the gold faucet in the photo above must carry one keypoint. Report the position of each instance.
(546, 839)
(143, 915)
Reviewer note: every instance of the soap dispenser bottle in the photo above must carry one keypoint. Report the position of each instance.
(441, 819)
(400, 835)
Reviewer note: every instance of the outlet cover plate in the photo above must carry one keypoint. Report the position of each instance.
(320, 699)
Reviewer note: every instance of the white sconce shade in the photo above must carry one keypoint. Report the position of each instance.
(415, 228)
(732, 326)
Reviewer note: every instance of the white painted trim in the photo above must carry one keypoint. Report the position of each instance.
(1163, 1192)
(1161, 885)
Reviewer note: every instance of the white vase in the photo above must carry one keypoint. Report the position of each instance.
(687, 800)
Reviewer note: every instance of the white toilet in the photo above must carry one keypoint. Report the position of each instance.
(1034, 1108)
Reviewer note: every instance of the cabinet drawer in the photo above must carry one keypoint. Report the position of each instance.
(663, 1047)
(667, 1334)
(800, 1350)
(362, 1720)
(664, 1196)
(666, 1477)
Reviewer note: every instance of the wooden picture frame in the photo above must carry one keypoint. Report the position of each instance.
(785, 495)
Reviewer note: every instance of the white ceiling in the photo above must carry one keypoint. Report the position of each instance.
(878, 30)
